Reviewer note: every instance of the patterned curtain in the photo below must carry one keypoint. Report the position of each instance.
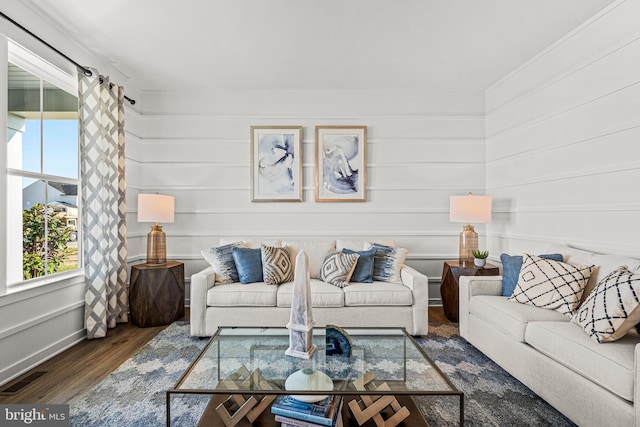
(101, 130)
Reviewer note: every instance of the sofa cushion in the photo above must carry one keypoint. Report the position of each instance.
(316, 250)
(511, 266)
(387, 262)
(363, 272)
(277, 266)
(613, 308)
(610, 366)
(322, 294)
(236, 294)
(338, 268)
(604, 264)
(551, 284)
(377, 293)
(249, 264)
(508, 316)
(221, 260)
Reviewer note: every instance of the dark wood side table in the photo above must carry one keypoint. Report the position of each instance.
(156, 293)
(450, 281)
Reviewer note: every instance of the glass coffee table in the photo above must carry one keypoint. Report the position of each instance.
(242, 370)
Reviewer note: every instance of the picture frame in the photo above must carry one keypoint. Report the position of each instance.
(341, 168)
(276, 163)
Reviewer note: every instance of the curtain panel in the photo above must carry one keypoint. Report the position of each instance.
(104, 229)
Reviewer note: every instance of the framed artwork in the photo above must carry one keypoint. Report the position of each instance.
(276, 163)
(341, 170)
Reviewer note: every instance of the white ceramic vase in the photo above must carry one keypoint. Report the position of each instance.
(309, 379)
(479, 262)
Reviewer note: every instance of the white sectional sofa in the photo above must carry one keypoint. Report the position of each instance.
(593, 384)
(377, 304)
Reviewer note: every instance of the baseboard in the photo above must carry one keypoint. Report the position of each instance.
(22, 366)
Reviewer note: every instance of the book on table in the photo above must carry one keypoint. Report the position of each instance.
(323, 413)
(292, 422)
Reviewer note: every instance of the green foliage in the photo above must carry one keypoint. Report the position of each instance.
(34, 241)
(480, 254)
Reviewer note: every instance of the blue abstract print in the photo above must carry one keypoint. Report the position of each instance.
(340, 155)
(275, 164)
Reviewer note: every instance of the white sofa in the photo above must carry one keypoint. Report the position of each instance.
(377, 304)
(592, 384)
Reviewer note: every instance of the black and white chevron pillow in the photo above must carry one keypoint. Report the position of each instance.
(276, 265)
(338, 268)
(613, 308)
(551, 284)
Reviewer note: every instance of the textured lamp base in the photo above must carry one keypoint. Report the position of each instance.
(468, 243)
(156, 246)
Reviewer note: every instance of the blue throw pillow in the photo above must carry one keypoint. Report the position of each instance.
(364, 267)
(511, 265)
(249, 264)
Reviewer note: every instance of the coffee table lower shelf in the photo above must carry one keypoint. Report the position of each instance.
(210, 417)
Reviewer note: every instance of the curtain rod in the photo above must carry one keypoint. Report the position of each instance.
(87, 72)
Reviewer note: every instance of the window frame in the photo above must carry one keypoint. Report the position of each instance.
(45, 71)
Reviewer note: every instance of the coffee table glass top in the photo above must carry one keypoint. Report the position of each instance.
(390, 354)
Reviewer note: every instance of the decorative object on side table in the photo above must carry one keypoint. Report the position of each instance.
(451, 273)
(480, 258)
(156, 208)
(338, 342)
(156, 293)
(301, 321)
(469, 209)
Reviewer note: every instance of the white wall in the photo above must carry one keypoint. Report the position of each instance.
(421, 148)
(563, 142)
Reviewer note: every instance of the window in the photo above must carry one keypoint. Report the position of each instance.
(43, 214)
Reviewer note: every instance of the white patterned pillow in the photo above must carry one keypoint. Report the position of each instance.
(612, 308)
(338, 268)
(221, 259)
(276, 265)
(387, 262)
(551, 284)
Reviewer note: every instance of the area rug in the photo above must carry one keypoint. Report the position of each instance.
(134, 394)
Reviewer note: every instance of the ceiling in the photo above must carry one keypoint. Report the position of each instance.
(444, 45)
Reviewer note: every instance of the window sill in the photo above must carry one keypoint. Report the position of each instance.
(41, 286)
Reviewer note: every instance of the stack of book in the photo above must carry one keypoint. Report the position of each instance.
(294, 413)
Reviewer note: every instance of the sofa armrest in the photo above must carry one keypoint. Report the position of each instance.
(419, 285)
(471, 286)
(200, 283)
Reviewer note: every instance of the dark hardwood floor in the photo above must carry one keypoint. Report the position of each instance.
(74, 371)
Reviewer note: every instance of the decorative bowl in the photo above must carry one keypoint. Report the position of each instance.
(309, 379)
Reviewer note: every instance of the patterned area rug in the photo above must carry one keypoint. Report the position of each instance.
(134, 394)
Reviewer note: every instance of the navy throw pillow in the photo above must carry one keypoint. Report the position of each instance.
(363, 272)
(249, 264)
(511, 265)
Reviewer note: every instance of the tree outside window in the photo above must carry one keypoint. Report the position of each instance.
(42, 182)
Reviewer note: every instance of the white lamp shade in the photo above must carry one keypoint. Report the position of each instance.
(470, 209)
(155, 208)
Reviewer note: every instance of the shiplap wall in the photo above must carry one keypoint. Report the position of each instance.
(563, 142)
(421, 148)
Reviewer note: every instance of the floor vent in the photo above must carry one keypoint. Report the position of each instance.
(20, 384)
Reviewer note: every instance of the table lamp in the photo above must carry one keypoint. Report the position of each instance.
(469, 209)
(156, 208)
